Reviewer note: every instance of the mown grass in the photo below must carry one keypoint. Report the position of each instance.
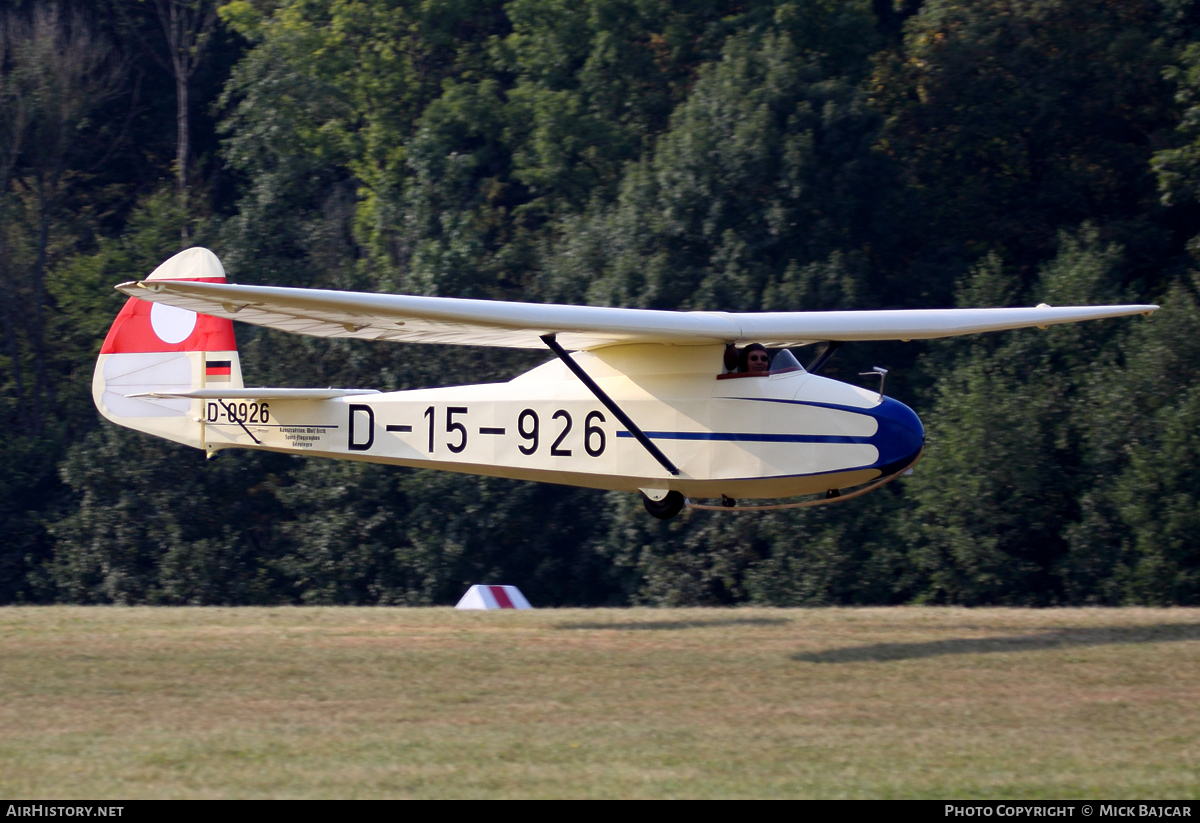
(360, 702)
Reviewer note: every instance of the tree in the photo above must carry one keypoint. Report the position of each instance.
(57, 72)
(764, 192)
(1134, 542)
(1015, 119)
(187, 27)
(1007, 462)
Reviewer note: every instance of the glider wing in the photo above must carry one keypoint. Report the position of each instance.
(258, 394)
(415, 319)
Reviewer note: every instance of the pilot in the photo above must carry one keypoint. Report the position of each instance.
(754, 359)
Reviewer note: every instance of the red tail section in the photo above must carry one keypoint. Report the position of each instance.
(154, 327)
(153, 350)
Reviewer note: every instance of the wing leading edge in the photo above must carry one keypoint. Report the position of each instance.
(415, 319)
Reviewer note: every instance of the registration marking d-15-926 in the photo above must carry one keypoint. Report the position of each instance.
(528, 426)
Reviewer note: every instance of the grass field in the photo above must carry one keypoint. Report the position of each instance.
(362, 702)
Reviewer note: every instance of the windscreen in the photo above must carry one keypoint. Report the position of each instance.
(784, 361)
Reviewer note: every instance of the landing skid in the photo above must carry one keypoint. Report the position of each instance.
(804, 504)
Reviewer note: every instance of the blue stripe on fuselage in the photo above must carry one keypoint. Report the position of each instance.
(753, 438)
(898, 440)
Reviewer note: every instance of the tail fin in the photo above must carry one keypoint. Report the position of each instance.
(154, 347)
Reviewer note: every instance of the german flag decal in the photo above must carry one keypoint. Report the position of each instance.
(218, 371)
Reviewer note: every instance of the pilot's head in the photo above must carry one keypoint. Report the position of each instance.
(755, 358)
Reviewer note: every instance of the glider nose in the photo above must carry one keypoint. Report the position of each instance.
(900, 437)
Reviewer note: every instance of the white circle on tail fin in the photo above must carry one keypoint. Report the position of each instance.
(172, 325)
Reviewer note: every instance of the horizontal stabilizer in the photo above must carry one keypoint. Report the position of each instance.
(259, 394)
(416, 319)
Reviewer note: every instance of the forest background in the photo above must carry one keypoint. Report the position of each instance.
(675, 154)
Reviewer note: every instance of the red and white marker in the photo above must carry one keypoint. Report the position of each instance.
(493, 597)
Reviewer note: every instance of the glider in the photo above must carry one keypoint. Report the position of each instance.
(634, 400)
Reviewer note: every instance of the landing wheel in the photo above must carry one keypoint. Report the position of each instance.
(666, 508)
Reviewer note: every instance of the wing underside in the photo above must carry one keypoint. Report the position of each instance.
(417, 319)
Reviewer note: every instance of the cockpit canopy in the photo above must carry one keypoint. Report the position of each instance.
(782, 362)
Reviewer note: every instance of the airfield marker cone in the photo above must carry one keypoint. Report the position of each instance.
(493, 597)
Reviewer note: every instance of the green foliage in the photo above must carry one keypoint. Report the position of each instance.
(1015, 120)
(423, 537)
(154, 524)
(1007, 459)
(1135, 543)
(595, 83)
(766, 171)
(839, 555)
(1178, 168)
(1158, 501)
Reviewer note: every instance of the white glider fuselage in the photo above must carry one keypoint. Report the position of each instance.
(771, 436)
